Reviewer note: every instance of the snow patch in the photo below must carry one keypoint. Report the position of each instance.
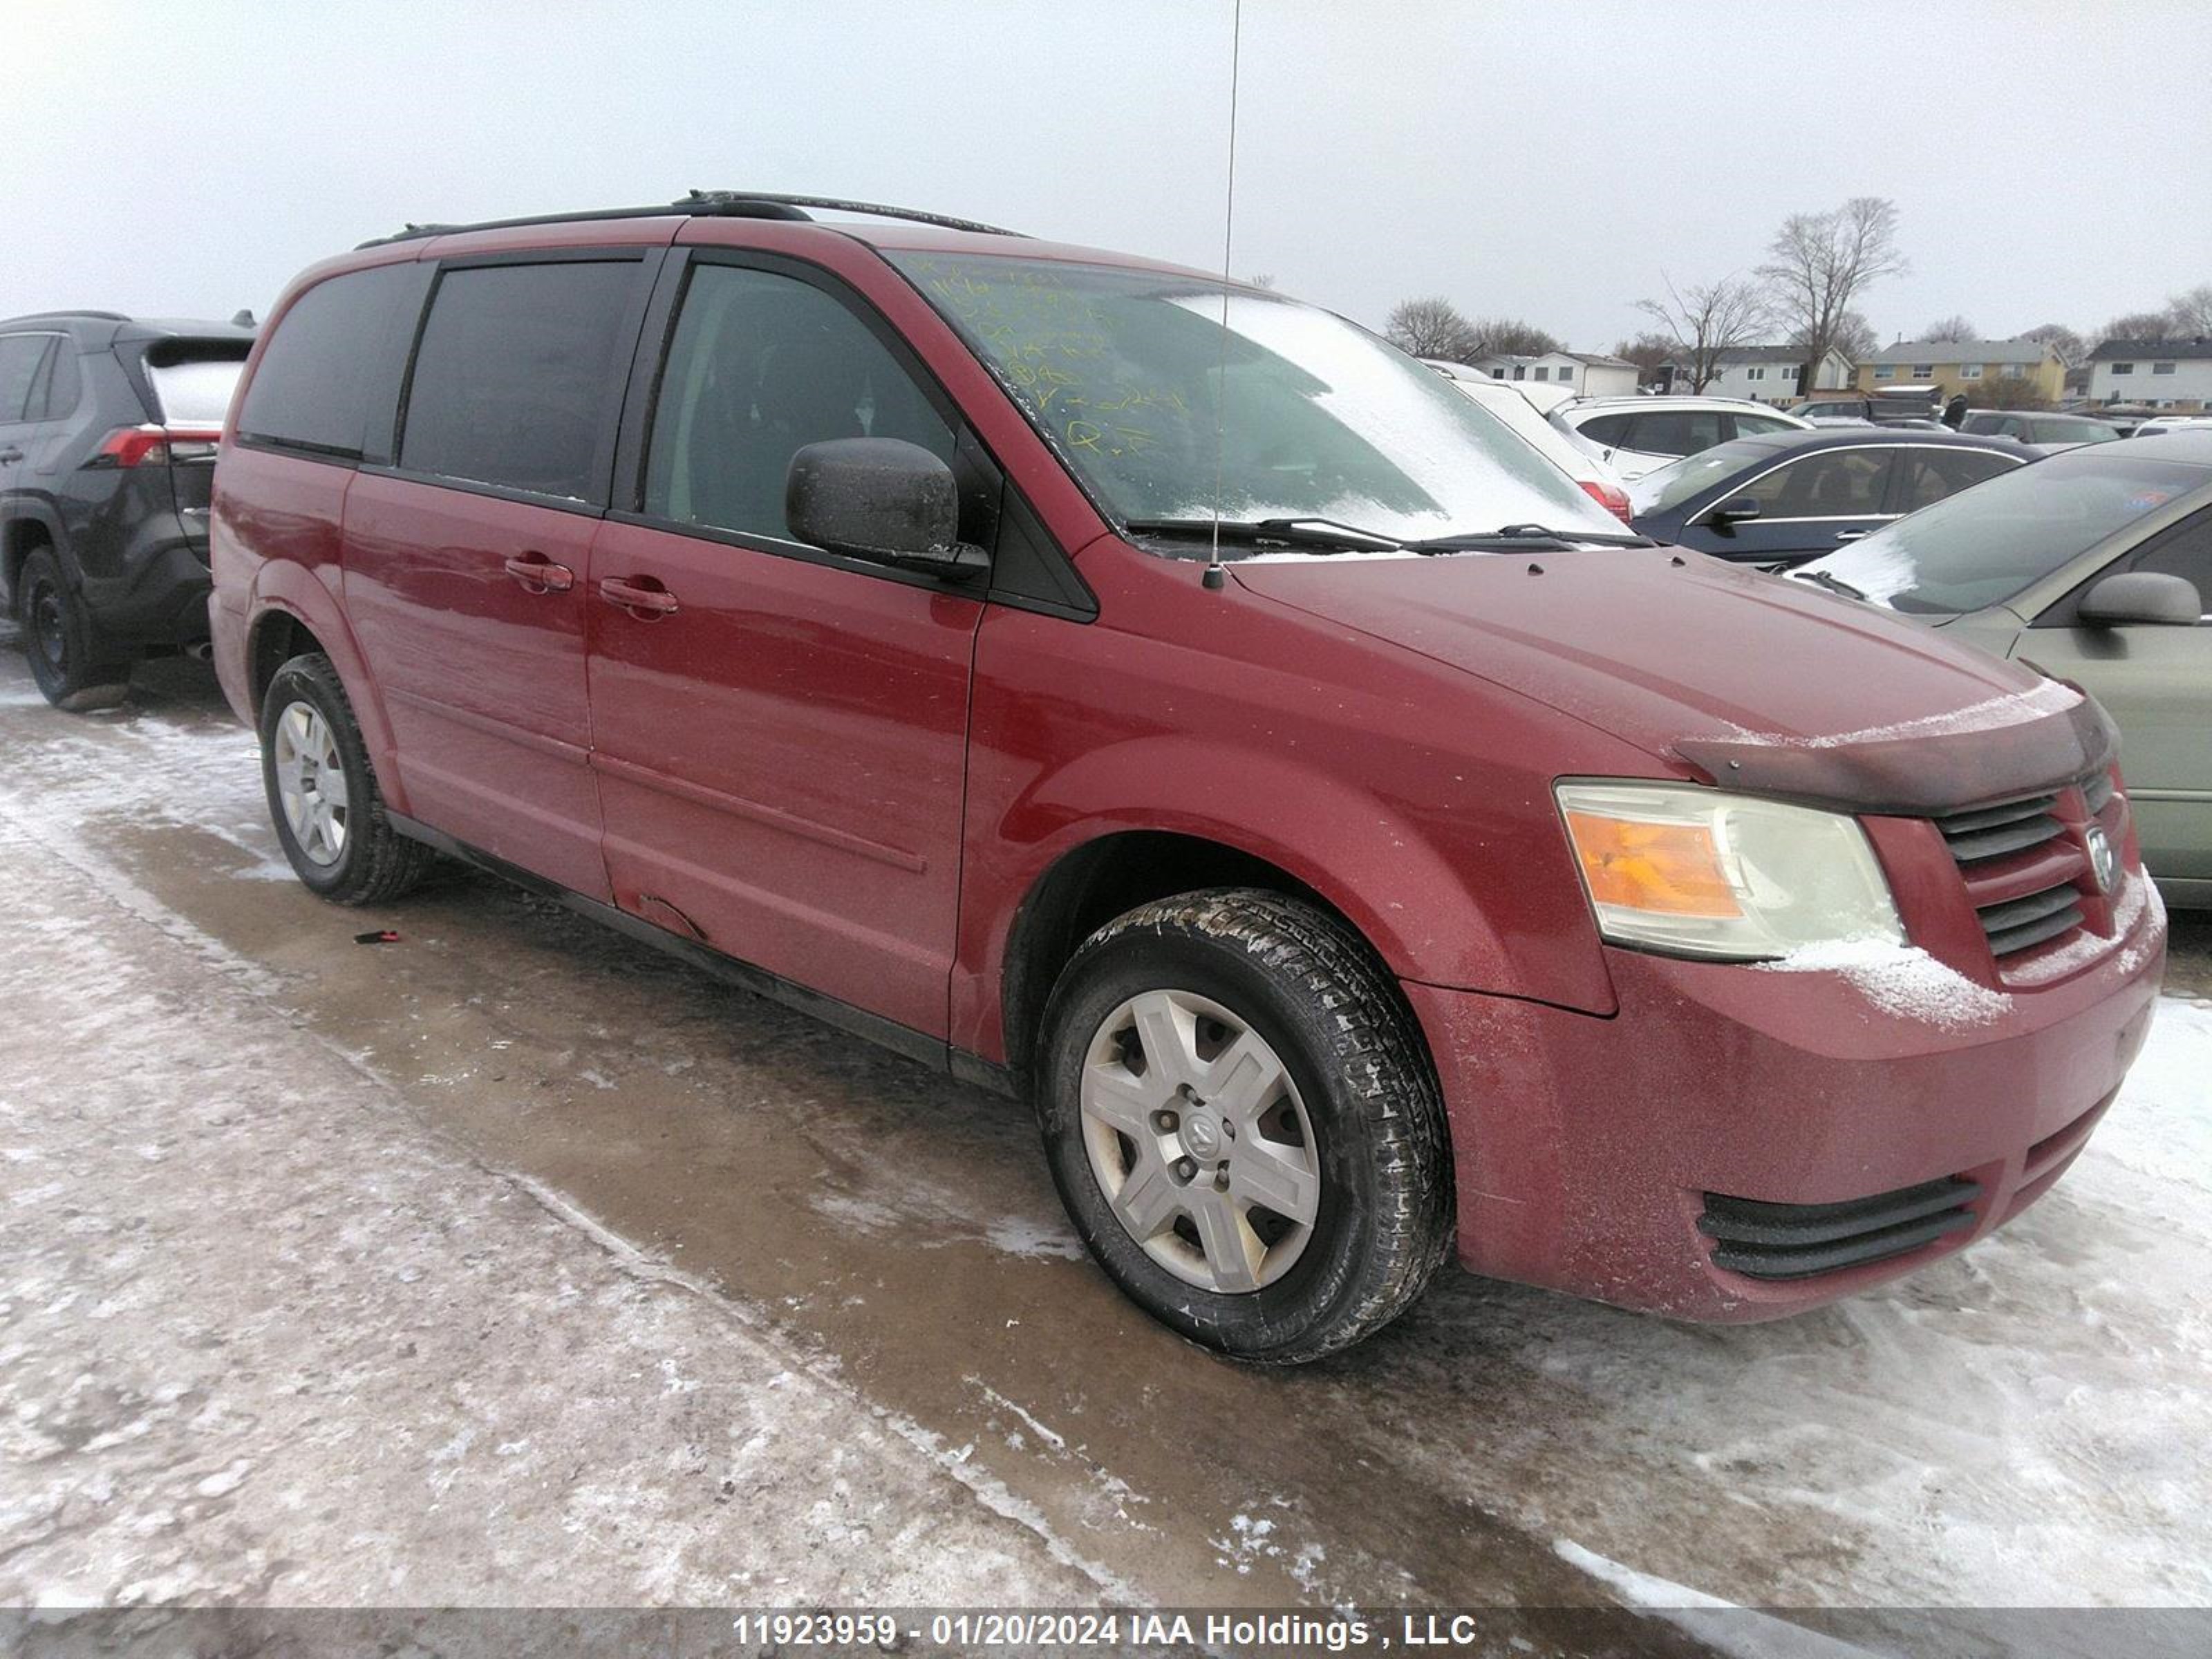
(1722, 1625)
(1991, 714)
(1898, 979)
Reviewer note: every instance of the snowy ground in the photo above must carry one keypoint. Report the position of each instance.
(512, 1264)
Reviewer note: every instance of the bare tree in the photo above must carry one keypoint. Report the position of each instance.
(1647, 350)
(2008, 392)
(1856, 340)
(1953, 327)
(2191, 313)
(2140, 326)
(1821, 263)
(1432, 327)
(1508, 337)
(1707, 320)
(2070, 346)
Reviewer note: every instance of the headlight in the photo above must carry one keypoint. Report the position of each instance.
(1696, 873)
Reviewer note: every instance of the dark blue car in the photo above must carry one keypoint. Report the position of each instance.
(1783, 497)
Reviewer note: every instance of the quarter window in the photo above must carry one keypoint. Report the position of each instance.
(310, 390)
(1607, 429)
(21, 357)
(2187, 553)
(762, 365)
(513, 381)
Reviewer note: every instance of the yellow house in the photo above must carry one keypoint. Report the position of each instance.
(1964, 366)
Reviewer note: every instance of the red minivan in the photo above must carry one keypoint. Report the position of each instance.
(1165, 700)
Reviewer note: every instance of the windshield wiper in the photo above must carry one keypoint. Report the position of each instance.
(1517, 537)
(1294, 532)
(1834, 584)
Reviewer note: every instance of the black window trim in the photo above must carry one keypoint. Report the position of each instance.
(642, 396)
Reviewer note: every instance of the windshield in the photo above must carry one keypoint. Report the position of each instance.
(1669, 487)
(195, 391)
(1123, 372)
(1985, 544)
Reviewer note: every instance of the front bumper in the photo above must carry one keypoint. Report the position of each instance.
(1587, 1150)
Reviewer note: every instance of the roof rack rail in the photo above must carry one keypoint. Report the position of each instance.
(710, 203)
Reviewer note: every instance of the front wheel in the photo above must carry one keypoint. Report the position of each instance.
(1244, 1126)
(322, 794)
(75, 668)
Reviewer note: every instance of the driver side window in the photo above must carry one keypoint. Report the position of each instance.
(1835, 483)
(762, 365)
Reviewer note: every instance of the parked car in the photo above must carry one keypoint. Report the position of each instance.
(107, 442)
(1505, 399)
(1635, 435)
(1359, 847)
(1889, 407)
(2097, 566)
(2165, 423)
(1790, 496)
(2048, 433)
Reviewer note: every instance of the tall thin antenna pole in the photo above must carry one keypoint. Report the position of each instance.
(1215, 576)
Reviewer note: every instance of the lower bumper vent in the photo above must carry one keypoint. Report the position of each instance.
(1796, 1241)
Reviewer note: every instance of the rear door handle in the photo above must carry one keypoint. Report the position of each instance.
(8, 457)
(1850, 535)
(638, 601)
(540, 575)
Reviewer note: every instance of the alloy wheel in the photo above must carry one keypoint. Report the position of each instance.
(311, 783)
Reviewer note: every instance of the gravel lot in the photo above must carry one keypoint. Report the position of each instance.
(512, 1263)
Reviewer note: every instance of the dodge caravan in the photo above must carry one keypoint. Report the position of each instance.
(1164, 701)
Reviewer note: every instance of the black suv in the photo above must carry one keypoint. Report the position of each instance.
(108, 438)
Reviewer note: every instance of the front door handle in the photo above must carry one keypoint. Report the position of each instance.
(540, 575)
(10, 457)
(1850, 535)
(638, 601)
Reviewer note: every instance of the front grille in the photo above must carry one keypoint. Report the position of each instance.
(2023, 872)
(1796, 1241)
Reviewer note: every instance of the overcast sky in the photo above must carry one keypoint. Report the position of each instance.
(1545, 160)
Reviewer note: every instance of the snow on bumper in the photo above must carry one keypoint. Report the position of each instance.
(1586, 1148)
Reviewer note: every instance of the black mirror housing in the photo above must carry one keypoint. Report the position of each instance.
(1737, 509)
(2150, 597)
(880, 499)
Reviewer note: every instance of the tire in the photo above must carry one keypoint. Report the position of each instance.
(322, 792)
(75, 669)
(1221, 986)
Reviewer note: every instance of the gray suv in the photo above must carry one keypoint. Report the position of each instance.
(107, 441)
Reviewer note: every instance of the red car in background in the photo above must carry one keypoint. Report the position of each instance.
(1162, 700)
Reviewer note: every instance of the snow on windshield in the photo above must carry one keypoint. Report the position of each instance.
(1290, 413)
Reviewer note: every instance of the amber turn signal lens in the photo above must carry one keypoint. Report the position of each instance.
(1667, 869)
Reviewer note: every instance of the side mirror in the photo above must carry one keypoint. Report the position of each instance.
(1737, 509)
(880, 499)
(2142, 596)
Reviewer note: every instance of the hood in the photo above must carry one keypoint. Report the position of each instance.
(1752, 681)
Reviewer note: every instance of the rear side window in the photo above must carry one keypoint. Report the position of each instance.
(1606, 428)
(21, 357)
(1678, 431)
(1932, 474)
(314, 386)
(514, 380)
(58, 385)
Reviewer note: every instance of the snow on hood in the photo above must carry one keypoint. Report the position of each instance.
(1755, 680)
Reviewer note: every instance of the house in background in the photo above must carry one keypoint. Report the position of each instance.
(1956, 366)
(1584, 373)
(1764, 374)
(2156, 373)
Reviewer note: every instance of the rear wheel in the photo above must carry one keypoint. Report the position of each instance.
(322, 792)
(75, 668)
(1243, 1124)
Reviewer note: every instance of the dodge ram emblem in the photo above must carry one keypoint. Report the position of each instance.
(2103, 864)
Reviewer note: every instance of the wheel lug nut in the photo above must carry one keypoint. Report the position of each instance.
(1165, 1123)
(1186, 1168)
